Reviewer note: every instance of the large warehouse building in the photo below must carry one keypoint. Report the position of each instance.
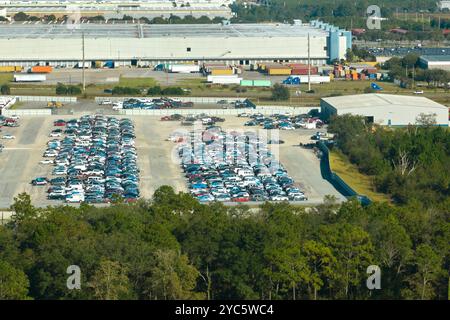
(149, 44)
(435, 62)
(385, 109)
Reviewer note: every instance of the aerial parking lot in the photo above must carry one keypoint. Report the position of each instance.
(22, 160)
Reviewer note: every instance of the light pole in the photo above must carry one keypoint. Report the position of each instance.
(83, 64)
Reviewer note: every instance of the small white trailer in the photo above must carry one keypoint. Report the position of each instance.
(29, 77)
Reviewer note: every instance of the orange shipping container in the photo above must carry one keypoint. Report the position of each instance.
(41, 69)
(7, 68)
(279, 72)
(221, 72)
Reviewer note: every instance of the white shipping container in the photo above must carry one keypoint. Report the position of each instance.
(211, 78)
(227, 80)
(184, 68)
(29, 77)
(314, 79)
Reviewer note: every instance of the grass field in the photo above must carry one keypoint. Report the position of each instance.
(137, 82)
(361, 183)
(5, 78)
(259, 95)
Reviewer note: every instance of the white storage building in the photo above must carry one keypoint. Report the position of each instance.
(435, 62)
(385, 109)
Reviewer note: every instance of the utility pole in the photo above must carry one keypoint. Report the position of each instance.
(309, 64)
(83, 66)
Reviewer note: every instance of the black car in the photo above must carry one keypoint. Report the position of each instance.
(258, 197)
(275, 142)
(56, 197)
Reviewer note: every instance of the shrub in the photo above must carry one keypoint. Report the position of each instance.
(154, 91)
(61, 89)
(172, 91)
(280, 92)
(369, 90)
(73, 90)
(5, 89)
(125, 91)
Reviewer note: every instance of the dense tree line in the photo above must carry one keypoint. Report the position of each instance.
(410, 164)
(173, 247)
(409, 68)
(350, 14)
(172, 19)
(356, 54)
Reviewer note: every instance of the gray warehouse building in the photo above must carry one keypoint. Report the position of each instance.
(150, 44)
(385, 109)
(435, 62)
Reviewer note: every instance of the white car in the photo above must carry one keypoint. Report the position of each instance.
(75, 198)
(46, 161)
(117, 106)
(15, 117)
(279, 198)
(55, 134)
(418, 92)
(105, 102)
(287, 128)
(8, 137)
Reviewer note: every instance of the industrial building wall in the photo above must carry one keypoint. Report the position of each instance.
(195, 48)
(398, 115)
(444, 65)
(327, 110)
(342, 47)
(425, 63)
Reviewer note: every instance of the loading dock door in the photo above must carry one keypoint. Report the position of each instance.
(369, 119)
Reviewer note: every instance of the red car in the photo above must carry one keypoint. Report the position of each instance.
(241, 199)
(59, 123)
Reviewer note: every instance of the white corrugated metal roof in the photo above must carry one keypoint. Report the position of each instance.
(377, 100)
(155, 30)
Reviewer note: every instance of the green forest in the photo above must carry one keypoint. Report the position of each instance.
(411, 164)
(173, 247)
(352, 14)
(409, 69)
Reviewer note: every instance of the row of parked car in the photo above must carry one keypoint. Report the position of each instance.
(94, 162)
(282, 121)
(12, 121)
(231, 166)
(191, 119)
(152, 103)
